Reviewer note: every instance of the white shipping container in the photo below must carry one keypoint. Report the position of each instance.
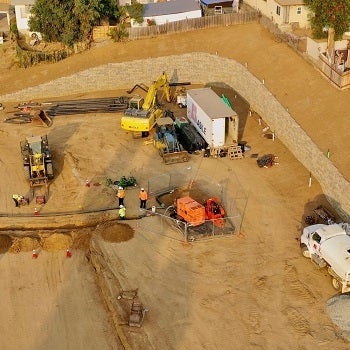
(215, 121)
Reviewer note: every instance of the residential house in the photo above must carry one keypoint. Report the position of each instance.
(169, 11)
(22, 11)
(4, 16)
(283, 12)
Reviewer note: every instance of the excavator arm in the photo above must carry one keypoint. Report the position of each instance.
(151, 96)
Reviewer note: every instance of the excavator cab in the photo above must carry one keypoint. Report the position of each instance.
(142, 113)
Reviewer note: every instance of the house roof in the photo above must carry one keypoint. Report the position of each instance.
(4, 7)
(290, 2)
(22, 2)
(227, 3)
(169, 7)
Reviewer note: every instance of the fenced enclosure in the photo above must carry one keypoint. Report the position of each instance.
(167, 188)
(185, 25)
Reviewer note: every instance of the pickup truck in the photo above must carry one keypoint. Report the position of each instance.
(329, 246)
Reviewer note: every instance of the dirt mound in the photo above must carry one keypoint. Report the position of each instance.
(25, 244)
(57, 241)
(5, 243)
(117, 233)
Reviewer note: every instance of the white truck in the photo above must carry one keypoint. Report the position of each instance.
(329, 246)
(215, 121)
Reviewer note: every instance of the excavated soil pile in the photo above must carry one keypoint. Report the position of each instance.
(56, 242)
(24, 244)
(117, 233)
(5, 243)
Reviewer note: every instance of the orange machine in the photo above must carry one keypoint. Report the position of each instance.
(214, 211)
(190, 210)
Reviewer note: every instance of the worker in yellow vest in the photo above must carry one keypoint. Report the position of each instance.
(143, 198)
(19, 200)
(122, 212)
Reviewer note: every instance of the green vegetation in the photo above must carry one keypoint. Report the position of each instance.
(329, 14)
(118, 33)
(69, 21)
(135, 11)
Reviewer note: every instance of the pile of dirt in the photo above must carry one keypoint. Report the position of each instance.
(117, 233)
(5, 243)
(24, 244)
(56, 242)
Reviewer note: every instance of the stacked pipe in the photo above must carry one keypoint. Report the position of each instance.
(96, 105)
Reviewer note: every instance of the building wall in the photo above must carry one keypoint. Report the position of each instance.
(189, 67)
(169, 18)
(269, 9)
(22, 17)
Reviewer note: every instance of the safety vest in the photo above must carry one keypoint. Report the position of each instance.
(143, 195)
(122, 212)
(121, 194)
(17, 197)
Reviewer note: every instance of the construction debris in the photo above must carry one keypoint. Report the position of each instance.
(137, 314)
(267, 161)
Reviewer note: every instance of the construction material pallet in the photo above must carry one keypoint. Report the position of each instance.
(235, 152)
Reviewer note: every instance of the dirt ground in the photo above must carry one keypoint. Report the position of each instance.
(248, 291)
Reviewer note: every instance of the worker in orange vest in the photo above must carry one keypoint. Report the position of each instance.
(143, 198)
(121, 195)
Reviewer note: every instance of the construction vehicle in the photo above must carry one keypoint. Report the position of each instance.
(165, 140)
(37, 161)
(214, 211)
(196, 214)
(181, 97)
(142, 113)
(188, 136)
(329, 246)
(137, 314)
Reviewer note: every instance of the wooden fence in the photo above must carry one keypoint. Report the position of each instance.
(337, 77)
(189, 24)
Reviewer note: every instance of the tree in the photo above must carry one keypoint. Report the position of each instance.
(69, 21)
(329, 17)
(135, 11)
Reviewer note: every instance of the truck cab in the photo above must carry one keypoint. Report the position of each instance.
(329, 246)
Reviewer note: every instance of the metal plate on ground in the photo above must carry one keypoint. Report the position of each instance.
(338, 310)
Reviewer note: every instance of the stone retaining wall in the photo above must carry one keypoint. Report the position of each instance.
(189, 67)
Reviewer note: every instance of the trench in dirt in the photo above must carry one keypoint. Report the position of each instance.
(86, 239)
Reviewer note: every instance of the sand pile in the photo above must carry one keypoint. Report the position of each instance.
(56, 242)
(117, 232)
(5, 243)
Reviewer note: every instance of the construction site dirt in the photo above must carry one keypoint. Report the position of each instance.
(250, 290)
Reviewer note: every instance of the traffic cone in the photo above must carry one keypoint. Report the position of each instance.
(36, 212)
(34, 254)
(68, 253)
(87, 183)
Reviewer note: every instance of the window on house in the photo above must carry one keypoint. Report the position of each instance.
(25, 11)
(299, 10)
(278, 10)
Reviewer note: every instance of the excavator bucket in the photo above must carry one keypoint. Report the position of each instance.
(40, 118)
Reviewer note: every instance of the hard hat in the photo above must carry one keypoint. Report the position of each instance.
(120, 188)
(121, 206)
(142, 189)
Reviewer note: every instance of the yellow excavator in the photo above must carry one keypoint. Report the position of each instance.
(142, 113)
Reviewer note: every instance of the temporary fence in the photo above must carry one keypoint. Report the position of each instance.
(168, 187)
